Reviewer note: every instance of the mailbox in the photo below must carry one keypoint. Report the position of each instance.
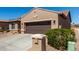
(42, 38)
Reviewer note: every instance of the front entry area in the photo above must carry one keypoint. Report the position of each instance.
(37, 27)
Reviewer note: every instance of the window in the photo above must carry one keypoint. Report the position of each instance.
(13, 26)
(54, 22)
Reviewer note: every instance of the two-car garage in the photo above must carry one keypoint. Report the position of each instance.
(37, 27)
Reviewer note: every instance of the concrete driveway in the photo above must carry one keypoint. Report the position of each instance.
(17, 42)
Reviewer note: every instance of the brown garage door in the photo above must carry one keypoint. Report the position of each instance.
(38, 27)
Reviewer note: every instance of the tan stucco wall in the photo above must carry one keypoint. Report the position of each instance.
(54, 26)
(64, 22)
(40, 15)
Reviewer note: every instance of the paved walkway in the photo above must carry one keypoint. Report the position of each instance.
(16, 42)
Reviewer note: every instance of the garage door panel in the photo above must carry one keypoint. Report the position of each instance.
(38, 28)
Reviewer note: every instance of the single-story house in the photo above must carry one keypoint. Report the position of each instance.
(39, 20)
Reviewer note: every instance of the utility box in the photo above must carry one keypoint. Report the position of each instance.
(71, 46)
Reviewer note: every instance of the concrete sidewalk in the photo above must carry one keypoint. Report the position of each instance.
(77, 39)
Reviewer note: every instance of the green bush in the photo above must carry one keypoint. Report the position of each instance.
(58, 38)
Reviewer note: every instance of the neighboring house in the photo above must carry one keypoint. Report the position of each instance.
(3, 25)
(10, 25)
(40, 20)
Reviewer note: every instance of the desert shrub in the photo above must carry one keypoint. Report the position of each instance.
(4, 30)
(58, 38)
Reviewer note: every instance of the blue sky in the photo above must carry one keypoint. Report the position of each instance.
(7, 13)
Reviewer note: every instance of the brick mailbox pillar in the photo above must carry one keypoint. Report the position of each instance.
(39, 41)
